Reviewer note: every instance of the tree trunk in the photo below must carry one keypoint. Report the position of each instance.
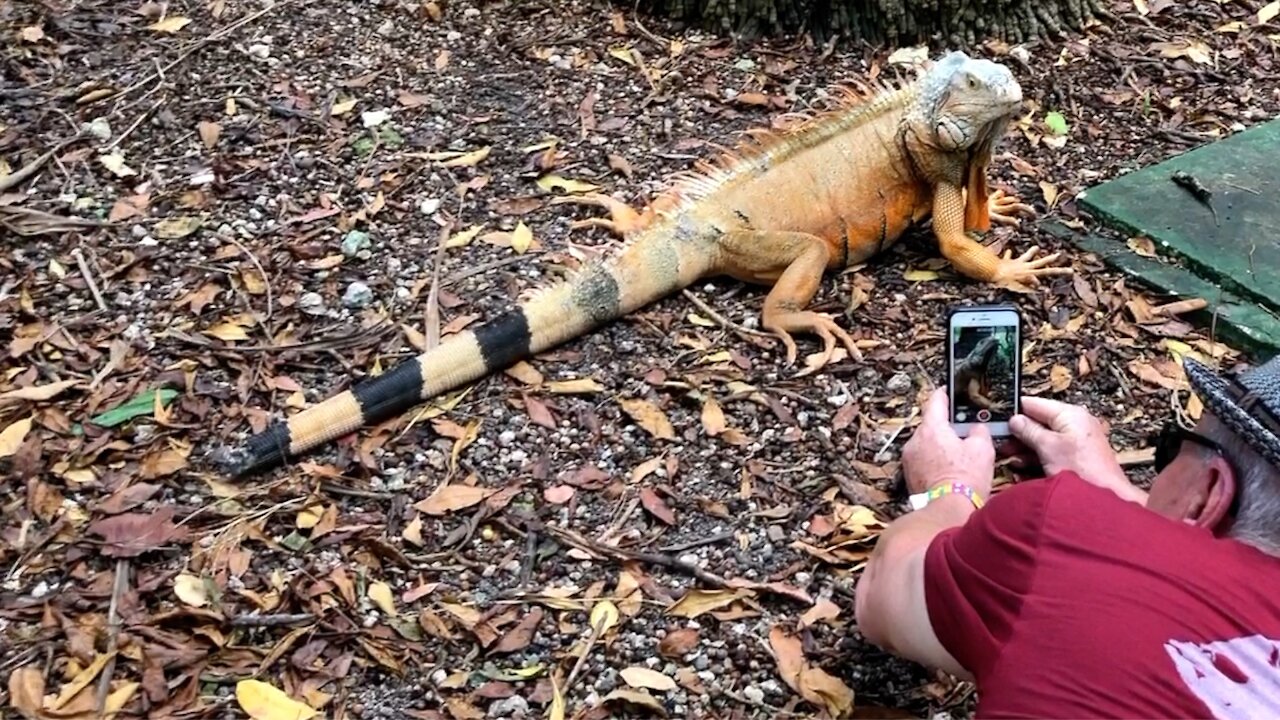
(960, 23)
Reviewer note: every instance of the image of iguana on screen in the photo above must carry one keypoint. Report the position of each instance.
(983, 373)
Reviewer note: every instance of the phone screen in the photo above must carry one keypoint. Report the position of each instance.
(985, 362)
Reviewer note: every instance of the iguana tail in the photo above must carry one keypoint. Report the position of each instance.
(656, 262)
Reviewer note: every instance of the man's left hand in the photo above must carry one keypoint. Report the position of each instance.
(935, 454)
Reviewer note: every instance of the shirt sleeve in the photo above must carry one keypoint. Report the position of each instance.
(977, 574)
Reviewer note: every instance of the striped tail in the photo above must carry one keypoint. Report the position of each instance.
(661, 260)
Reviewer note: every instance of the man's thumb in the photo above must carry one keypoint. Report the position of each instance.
(1031, 433)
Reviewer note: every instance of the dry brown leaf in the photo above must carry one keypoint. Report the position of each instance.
(519, 637)
(12, 436)
(648, 416)
(712, 417)
(575, 386)
(811, 683)
(26, 691)
(646, 468)
(538, 411)
(171, 24)
(453, 497)
(1142, 245)
(525, 373)
(678, 642)
(656, 506)
(1059, 378)
(642, 677)
(39, 392)
(824, 609)
(209, 133)
(136, 533)
(559, 494)
(470, 159)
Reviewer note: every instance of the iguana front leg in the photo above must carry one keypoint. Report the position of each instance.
(795, 262)
(974, 391)
(970, 257)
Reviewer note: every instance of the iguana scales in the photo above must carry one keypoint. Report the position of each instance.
(973, 374)
(784, 207)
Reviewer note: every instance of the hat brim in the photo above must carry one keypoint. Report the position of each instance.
(1221, 397)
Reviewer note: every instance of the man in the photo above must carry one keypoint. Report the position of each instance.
(1079, 595)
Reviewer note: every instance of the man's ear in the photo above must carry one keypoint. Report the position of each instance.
(1219, 490)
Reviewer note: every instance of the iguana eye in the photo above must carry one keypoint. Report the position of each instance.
(971, 81)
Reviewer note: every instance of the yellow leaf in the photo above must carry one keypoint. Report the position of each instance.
(178, 227)
(1059, 378)
(521, 238)
(551, 182)
(263, 701)
(190, 590)
(696, 602)
(697, 319)
(604, 616)
(522, 371)
(920, 275)
(648, 416)
(623, 54)
(470, 159)
(342, 108)
(575, 386)
(452, 497)
(1268, 12)
(171, 24)
(115, 163)
(413, 531)
(642, 677)
(228, 332)
(1142, 246)
(209, 133)
(11, 437)
(464, 237)
(1141, 7)
(380, 594)
(557, 700)
(544, 145)
(26, 691)
(309, 517)
(80, 681)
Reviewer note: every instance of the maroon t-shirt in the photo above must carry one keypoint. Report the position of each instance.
(1065, 601)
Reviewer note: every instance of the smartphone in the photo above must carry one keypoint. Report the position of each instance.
(984, 367)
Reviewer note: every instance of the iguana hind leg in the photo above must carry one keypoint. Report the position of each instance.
(795, 262)
(623, 219)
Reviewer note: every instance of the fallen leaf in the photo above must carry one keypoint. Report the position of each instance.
(453, 497)
(33, 33)
(470, 159)
(696, 602)
(380, 593)
(177, 227)
(655, 505)
(811, 683)
(1059, 378)
(463, 238)
(642, 677)
(604, 616)
(1194, 50)
(522, 371)
(551, 183)
(519, 637)
(171, 24)
(909, 55)
(678, 642)
(115, 163)
(141, 404)
(190, 590)
(26, 691)
(920, 275)
(227, 332)
(209, 133)
(637, 697)
(39, 392)
(712, 417)
(559, 494)
(1142, 245)
(575, 386)
(824, 609)
(1056, 122)
(649, 416)
(521, 238)
(78, 683)
(1268, 12)
(12, 436)
(263, 701)
(342, 107)
(136, 533)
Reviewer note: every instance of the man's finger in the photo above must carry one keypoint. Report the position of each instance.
(1043, 410)
(935, 408)
(1030, 433)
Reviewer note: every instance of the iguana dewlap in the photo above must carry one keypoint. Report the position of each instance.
(832, 191)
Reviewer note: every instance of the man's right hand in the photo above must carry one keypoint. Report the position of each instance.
(1068, 437)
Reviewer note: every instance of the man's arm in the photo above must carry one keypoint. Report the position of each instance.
(890, 600)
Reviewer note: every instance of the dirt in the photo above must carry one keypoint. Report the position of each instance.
(246, 163)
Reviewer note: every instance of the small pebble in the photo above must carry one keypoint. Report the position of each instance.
(899, 384)
(358, 295)
(354, 242)
(753, 693)
(311, 303)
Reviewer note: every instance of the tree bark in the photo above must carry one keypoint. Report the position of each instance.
(961, 23)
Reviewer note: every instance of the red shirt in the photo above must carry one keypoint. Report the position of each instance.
(1065, 601)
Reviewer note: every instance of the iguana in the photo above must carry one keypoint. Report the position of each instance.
(972, 375)
(784, 207)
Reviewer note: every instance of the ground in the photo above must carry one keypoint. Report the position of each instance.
(258, 199)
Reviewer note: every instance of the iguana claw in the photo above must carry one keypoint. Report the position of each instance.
(820, 324)
(1004, 208)
(1023, 268)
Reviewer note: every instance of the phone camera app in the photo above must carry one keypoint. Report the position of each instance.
(983, 377)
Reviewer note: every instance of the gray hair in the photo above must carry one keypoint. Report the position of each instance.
(1256, 506)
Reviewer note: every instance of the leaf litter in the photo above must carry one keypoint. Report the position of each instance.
(418, 568)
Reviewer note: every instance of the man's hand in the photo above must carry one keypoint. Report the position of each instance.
(935, 454)
(1069, 437)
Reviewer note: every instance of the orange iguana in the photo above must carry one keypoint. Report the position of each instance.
(831, 191)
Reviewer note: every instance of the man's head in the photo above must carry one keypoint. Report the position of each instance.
(1227, 478)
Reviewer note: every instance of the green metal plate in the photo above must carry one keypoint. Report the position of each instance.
(1241, 251)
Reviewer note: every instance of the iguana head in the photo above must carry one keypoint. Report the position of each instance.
(985, 350)
(966, 102)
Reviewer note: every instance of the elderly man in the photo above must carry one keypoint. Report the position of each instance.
(1079, 595)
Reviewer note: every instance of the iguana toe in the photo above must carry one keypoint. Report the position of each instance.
(1004, 209)
(1024, 269)
(822, 325)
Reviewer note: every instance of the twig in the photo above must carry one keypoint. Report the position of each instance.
(722, 320)
(1181, 306)
(246, 621)
(479, 269)
(261, 270)
(209, 40)
(582, 659)
(113, 632)
(88, 279)
(896, 433)
(336, 489)
(136, 123)
(25, 172)
(432, 318)
(697, 543)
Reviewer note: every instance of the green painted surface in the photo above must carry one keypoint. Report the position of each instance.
(1238, 322)
(1242, 251)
